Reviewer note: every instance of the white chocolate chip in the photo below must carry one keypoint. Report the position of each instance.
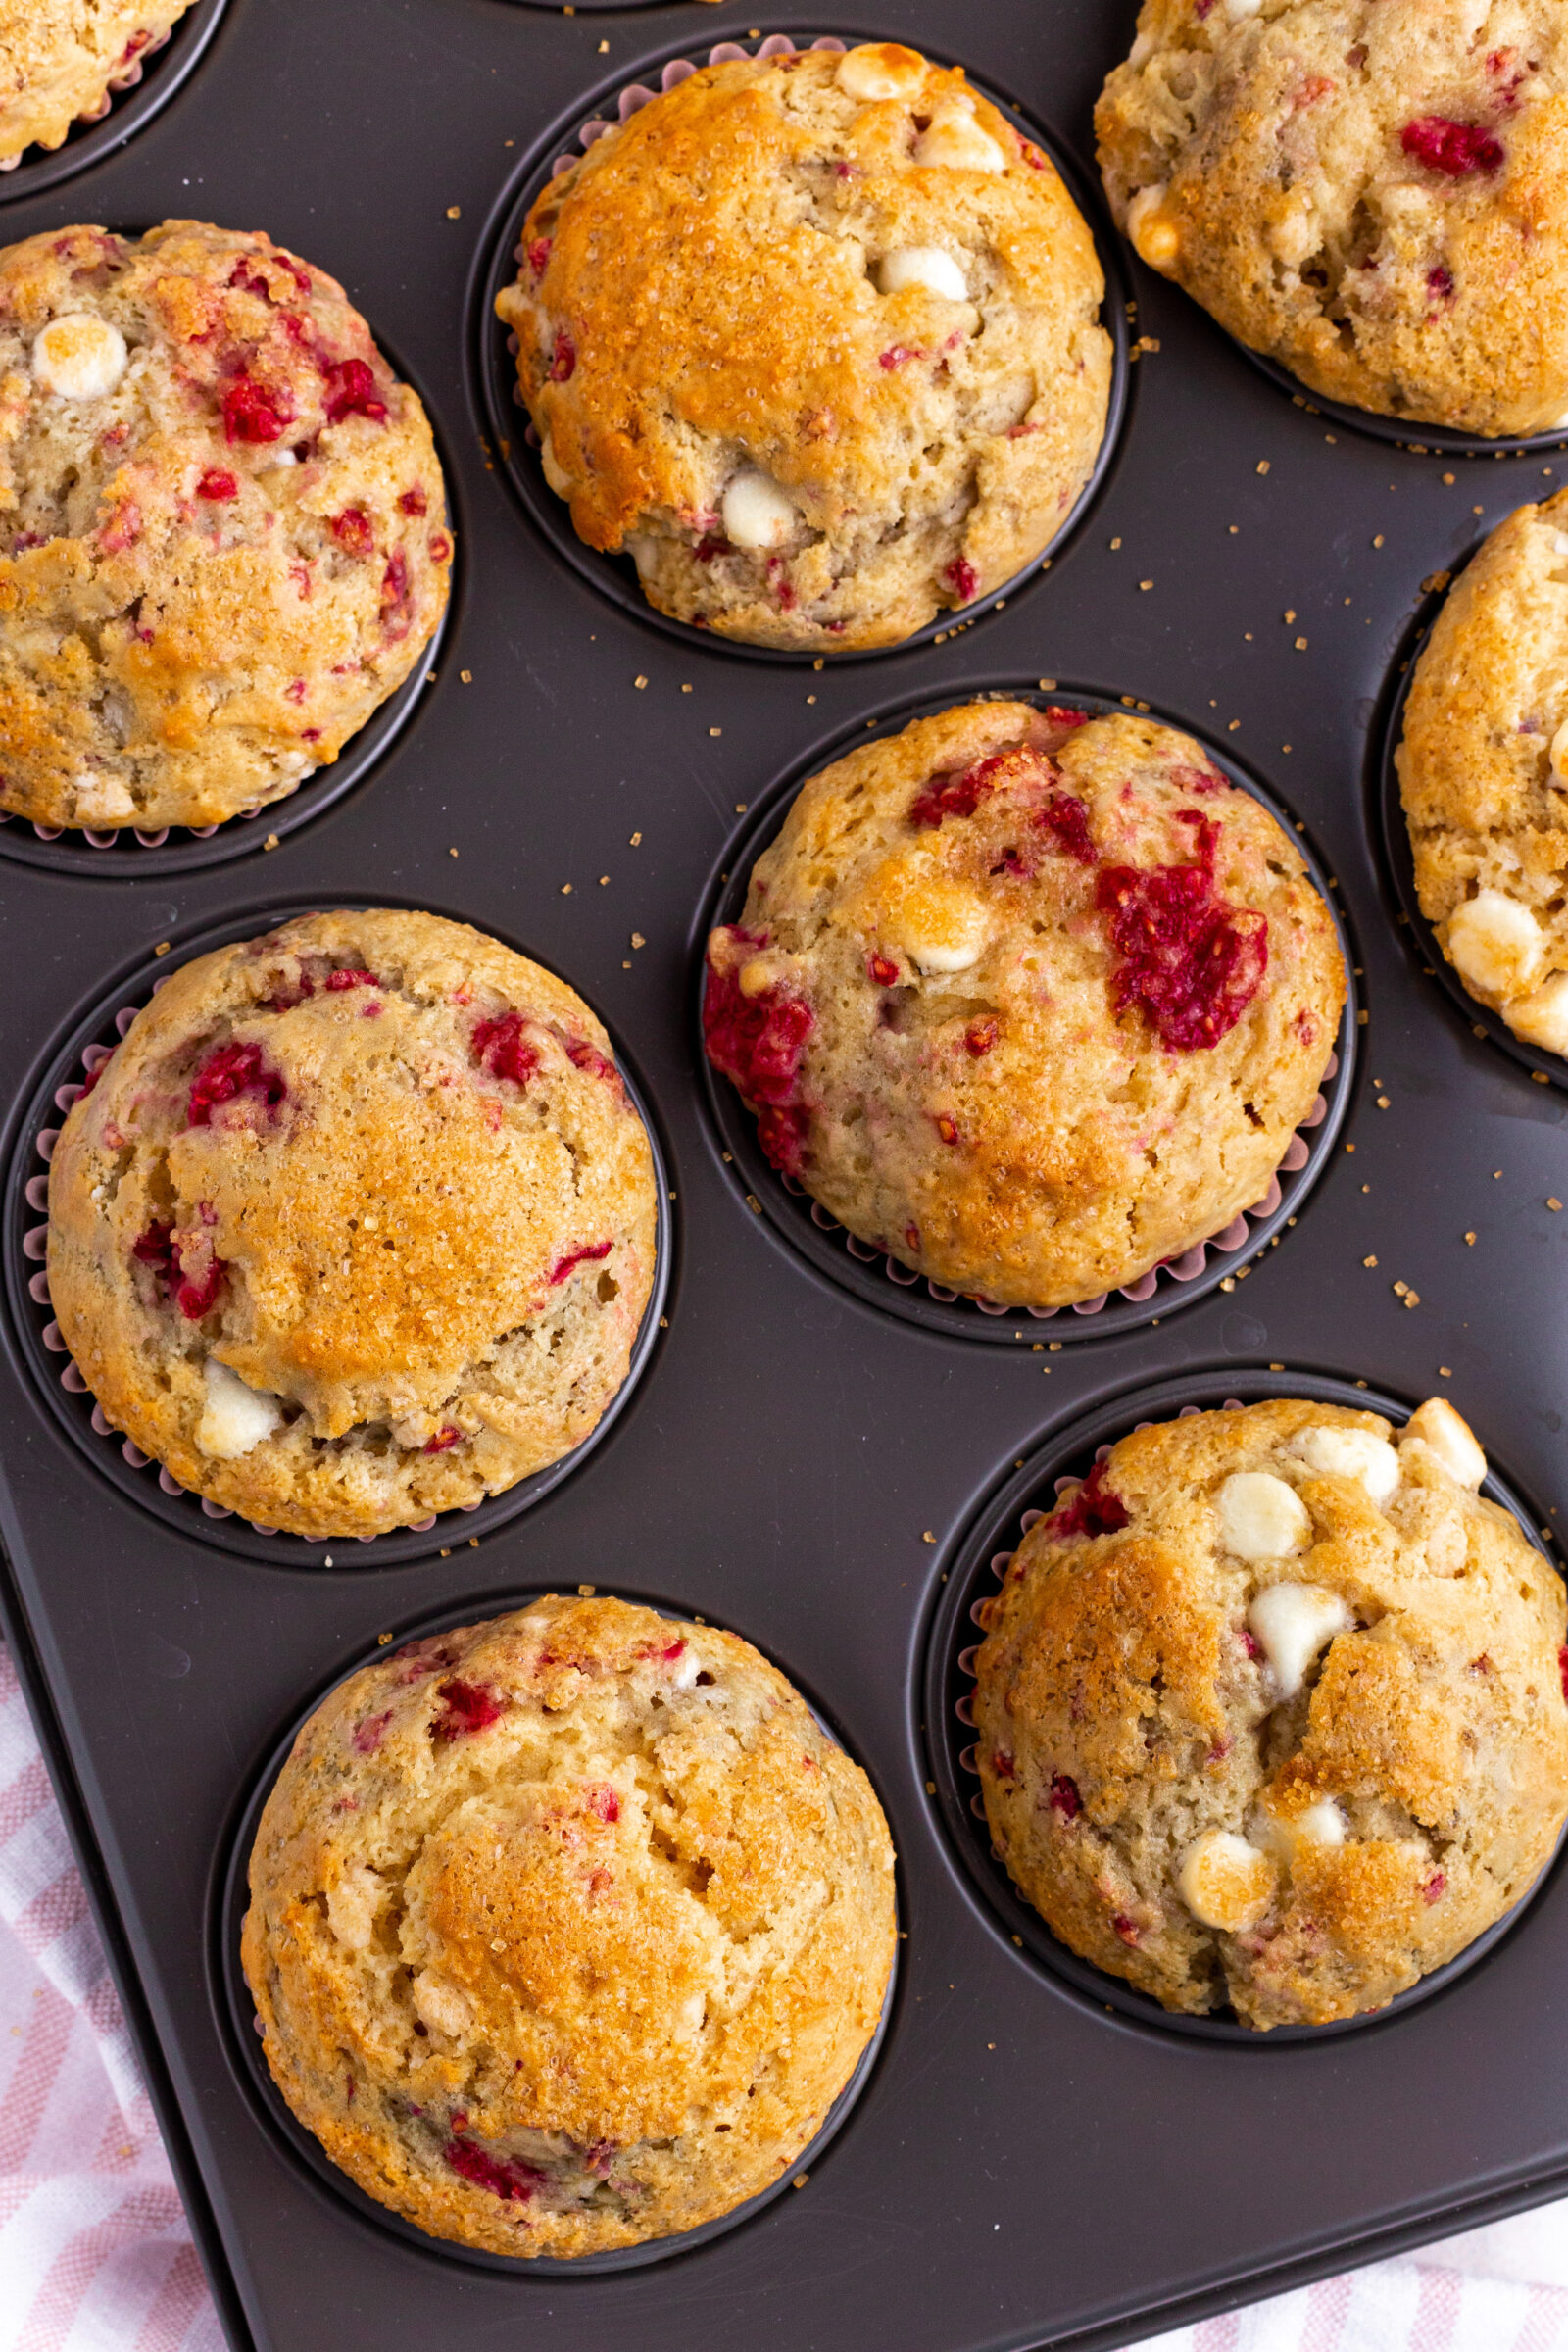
(923, 266)
(1322, 1824)
(1451, 1437)
(1541, 1017)
(1154, 236)
(1350, 1453)
(78, 356)
(1558, 754)
(1559, 543)
(687, 2023)
(280, 457)
(1294, 1622)
(955, 142)
(881, 69)
(441, 2004)
(234, 1418)
(756, 512)
(352, 1906)
(1261, 1517)
(941, 926)
(103, 801)
(1496, 945)
(1239, 11)
(1225, 1883)
(1143, 50)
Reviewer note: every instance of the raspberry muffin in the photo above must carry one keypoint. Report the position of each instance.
(814, 338)
(1483, 772)
(1271, 1712)
(62, 59)
(222, 525)
(1030, 1000)
(357, 1224)
(567, 1929)
(1372, 192)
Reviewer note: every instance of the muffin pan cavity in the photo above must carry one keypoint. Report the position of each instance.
(239, 2025)
(516, 443)
(1420, 440)
(974, 1568)
(134, 97)
(879, 1280)
(37, 1339)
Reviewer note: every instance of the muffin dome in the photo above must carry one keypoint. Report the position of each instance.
(1031, 1000)
(222, 521)
(814, 339)
(1270, 1710)
(61, 60)
(1483, 772)
(1372, 192)
(567, 1931)
(357, 1224)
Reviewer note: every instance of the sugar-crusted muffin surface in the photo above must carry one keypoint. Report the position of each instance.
(567, 1929)
(1029, 1000)
(815, 339)
(1372, 192)
(357, 1224)
(61, 61)
(222, 525)
(1270, 1710)
(1483, 769)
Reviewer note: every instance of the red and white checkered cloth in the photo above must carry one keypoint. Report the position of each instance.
(95, 2255)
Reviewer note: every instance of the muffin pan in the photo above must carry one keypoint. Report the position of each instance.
(1027, 2162)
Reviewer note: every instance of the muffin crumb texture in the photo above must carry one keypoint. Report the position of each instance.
(356, 1225)
(1031, 1000)
(814, 339)
(222, 526)
(66, 61)
(1372, 192)
(567, 1931)
(1482, 768)
(1272, 1709)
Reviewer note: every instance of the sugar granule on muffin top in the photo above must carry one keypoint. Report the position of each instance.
(814, 338)
(222, 526)
(567, 1931)
(357, 1224)
(1271, 1709)
(63, 61)
(1483, 767)
(1031, 1000)
(1372, 192)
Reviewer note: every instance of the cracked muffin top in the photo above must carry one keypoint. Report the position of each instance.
(1029, 1000)
(357, 1224)
(61, 61)
(222, 526)
(1372, 192)
(1271, 1709)
(1482, 768)
(814, 338)
(567, 1929)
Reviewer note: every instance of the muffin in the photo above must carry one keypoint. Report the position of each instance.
(61, 61)
(222, 521)
(814, 339)
(1482, 768)
(1373, 193)
(567, 1931)
(1270, 1710)
(357, 1224)
(1029, 1000)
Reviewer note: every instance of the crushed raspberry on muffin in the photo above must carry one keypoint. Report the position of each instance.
(1192, 962)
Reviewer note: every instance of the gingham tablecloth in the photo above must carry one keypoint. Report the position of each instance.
(95, 2255)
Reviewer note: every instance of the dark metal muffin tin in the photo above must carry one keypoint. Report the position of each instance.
(1027, 2165)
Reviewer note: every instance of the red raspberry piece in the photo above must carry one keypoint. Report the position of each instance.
(539, 255)
(155, 1248)
(440, 547)
(337, 982)
(500, 1048)
(1064, 1797)
(432, 1656)
(711, 544)
(229, 1072)
(351, 529)
(1066, 819)
(1250, 1644)
(962, 578)
(1455, 149)
(414, 502)
(195, 1286)
(1091, 1511)
(897, 354)
(368, 1735)
(1127, 1928)
(254, 411)
(758, 1044)
(1440, 283)
(950, 794)
(467, 1707)
(1562, 1668)
(504, 2176)
(563, 358)
(1190, 961)
(604, 1804)
(217, 484)
(443, 1440)
(580, 1257)
(1432, 1889)
(1002, 1764)
(350, 391)
(882, 970)
(981, 1036)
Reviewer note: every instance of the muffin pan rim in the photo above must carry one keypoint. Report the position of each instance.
(939, 1734)
(1396, 432)
(491, 375)
(226, 1898)
(730, 1129)
(184, 1512)
(42, 169)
